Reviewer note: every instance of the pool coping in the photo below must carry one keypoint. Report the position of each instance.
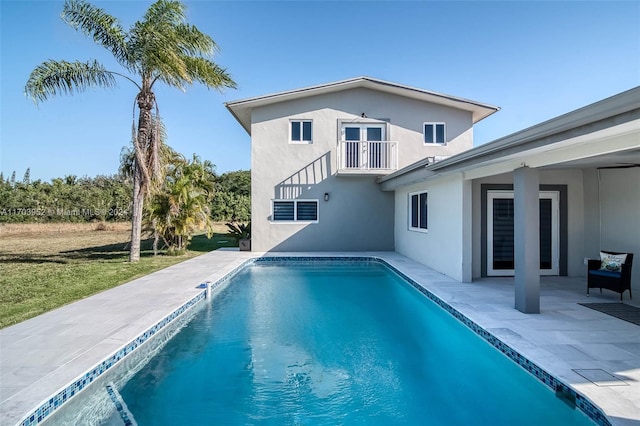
(57, 400)
(388, 259)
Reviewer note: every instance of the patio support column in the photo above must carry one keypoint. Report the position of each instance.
(467, 231)
(526, 184)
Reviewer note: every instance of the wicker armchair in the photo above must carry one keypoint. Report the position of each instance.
(615, 281)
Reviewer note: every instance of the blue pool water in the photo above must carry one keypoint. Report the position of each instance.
(342, 344)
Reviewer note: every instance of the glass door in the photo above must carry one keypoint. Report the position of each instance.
(374, 147)
(351, 136)
(363, 145)
(500, 233)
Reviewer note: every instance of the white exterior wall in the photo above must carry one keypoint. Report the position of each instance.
(358, 215)
(449, 245)
(442, 247)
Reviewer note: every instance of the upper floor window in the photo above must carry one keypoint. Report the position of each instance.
(418, 211)
(295, 211)
(301, 131)
(434, 133)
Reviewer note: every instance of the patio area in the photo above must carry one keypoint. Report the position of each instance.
(596, 354)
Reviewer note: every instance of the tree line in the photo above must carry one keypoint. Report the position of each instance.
(108, 198)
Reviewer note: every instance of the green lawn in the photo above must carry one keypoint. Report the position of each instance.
(46, 270)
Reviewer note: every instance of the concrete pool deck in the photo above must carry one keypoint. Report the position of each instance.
(42, 355)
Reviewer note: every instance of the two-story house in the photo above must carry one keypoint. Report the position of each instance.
(316, 153)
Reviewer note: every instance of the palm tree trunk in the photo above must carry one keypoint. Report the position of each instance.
(156, 237)
(141, 176)
(136, 217)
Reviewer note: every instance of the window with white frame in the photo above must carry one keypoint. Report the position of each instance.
(434, 133)
(300, 131)
(295, 211)
(418, 211)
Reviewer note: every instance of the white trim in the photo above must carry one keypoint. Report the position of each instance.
(410, 212)
(295, 211)
(301, 141)
(554, 196)
(363, 125)
(435, 124)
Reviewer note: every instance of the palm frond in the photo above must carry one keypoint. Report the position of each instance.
(156, 141)
(158, 158)
(156, 52)
(174, 52)
(195, 43)
(182, 208)
(170, 66)
(98, 24)
(127, 160)
(154, 38)
(165, 12)
(170, 156)
(52, 78)
(208, 73)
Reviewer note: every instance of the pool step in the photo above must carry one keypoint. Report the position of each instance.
(121, 406)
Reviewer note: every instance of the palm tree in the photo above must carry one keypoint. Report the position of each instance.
(161, 47)
(183, 206)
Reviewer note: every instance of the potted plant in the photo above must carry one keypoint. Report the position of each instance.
(242, 233)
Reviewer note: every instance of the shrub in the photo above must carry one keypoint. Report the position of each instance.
(239, 231)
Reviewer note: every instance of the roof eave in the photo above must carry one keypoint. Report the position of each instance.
(241, 109)
(246, 126)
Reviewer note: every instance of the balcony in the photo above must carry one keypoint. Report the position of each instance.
(367, 157)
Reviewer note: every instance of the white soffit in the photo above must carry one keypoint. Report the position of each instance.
(616, 139)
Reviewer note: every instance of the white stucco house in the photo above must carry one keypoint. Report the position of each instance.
(365, 164)
(316, 153)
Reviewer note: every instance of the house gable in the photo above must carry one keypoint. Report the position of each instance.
(242, 109)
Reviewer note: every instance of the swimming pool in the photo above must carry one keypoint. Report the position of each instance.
(318, 342)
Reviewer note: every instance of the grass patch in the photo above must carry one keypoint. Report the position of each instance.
(46, 267)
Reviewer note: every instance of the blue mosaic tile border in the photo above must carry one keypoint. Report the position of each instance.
(57, 400)
(318, 259)
(586, 406)
(115, 398)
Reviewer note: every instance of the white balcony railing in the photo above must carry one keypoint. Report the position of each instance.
(374, 156)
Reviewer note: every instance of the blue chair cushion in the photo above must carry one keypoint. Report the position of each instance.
(603, 273)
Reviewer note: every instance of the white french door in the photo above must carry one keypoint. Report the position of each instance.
(500, 233)
(363, 147)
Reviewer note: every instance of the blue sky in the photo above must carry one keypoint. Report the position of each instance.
(535, 60)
